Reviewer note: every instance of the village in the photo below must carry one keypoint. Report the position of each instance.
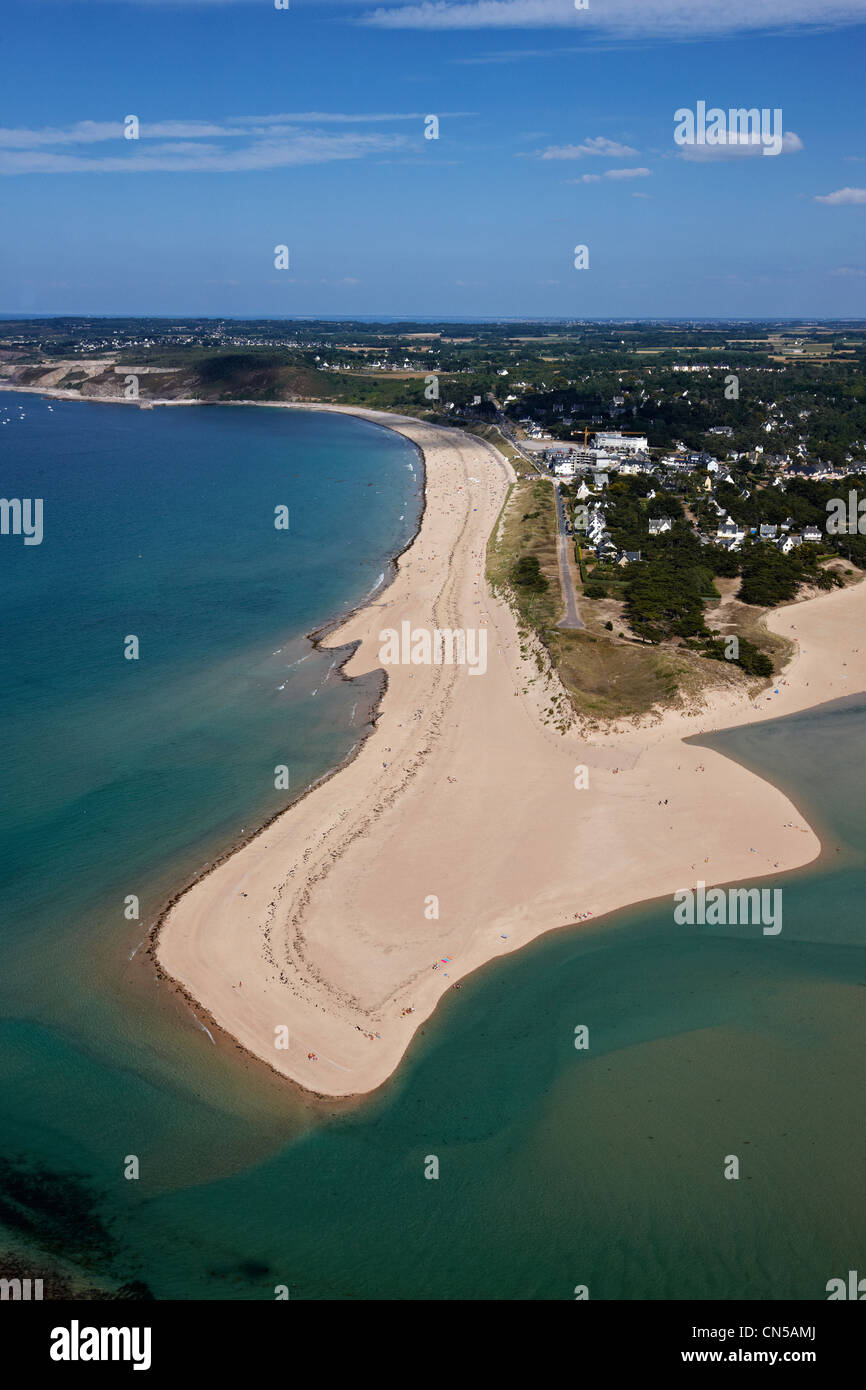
(611, 455)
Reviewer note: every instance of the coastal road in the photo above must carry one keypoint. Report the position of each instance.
(564, 545)
(507, 433)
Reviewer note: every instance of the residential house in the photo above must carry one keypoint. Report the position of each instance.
(605, 548)
(788, 543)
(731, 530)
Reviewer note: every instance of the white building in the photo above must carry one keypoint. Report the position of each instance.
(731, 531)
(788, 543)
(617, 442)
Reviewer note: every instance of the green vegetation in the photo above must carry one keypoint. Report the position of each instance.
(753, 660)
(610, 679)
(665, 598)
(770, 578)
(749, 657)
(495, 437)
(604, 678)
(526, 531)
(527, 572)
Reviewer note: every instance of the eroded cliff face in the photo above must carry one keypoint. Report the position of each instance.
(99, 377)
(212, 379)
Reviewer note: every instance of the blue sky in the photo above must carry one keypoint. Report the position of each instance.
(305, 127)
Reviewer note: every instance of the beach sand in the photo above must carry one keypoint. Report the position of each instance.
(457, 833)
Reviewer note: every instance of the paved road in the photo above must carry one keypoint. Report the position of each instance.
(564, 545)
(565, 542)
(507, 433)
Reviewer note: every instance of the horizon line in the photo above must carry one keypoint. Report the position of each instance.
(431, 318)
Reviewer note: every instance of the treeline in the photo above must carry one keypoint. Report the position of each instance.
(770, 578)
(666, 592)
(628, 515)
(803, 499)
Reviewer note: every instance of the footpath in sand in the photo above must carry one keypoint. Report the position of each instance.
(323, 924)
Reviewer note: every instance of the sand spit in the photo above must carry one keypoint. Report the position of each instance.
(457, 833)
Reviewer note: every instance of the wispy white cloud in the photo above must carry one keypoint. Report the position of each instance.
(626, 174)
(738, 145)
(91, 132)
(595, 145)
(234, 145)
(843, 196)
(186, 157)
(673, 19)
(626, 19)
(612, 174)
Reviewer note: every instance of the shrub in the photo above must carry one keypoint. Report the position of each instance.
(527, 573)
(750, 658)
(753, 660)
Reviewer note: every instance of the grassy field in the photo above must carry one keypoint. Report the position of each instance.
(527, 526)
(606, 673)
(607, 678)
(730, 618)
(494, 436)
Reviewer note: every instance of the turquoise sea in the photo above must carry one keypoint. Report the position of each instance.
(557, 1167)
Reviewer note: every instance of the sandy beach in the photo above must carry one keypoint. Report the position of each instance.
(458, 834)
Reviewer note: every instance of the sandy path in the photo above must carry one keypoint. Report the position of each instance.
(324, 923)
